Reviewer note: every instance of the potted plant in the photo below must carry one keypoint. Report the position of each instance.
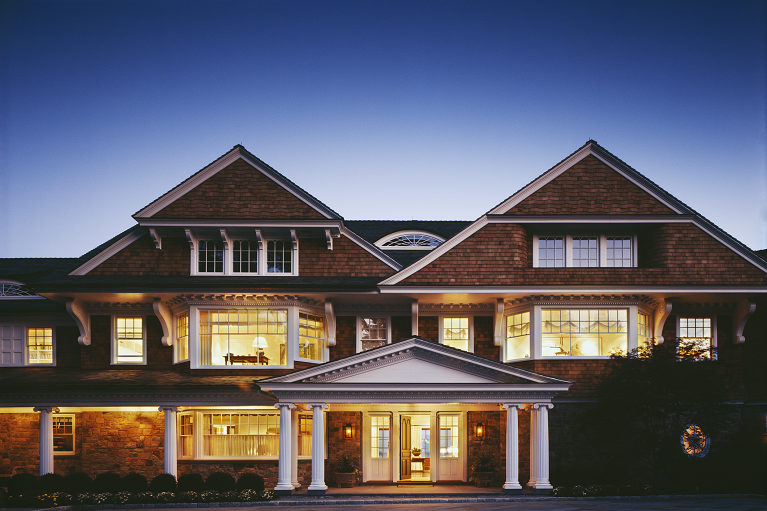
(416, 452)
(346, 471)
(483, 469)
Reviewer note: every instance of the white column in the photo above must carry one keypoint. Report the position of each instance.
(542, 483)
(46, 438)
(284, 487)
(294, 449)
(533, 447)
(318, 485)
(512, 449)
(171, 444)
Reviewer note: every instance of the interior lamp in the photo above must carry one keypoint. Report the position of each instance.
(480, 430)
(260, 343)
(348, 431)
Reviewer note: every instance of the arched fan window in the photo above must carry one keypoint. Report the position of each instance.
(410, 240)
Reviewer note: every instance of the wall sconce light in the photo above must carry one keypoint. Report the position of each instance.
(348, 431)
(480, 431)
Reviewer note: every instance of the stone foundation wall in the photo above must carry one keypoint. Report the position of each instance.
(269, 470)
(337, 444)
(19, 443)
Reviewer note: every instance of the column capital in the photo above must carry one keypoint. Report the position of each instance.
(323, 406)
(49, 409)
(168, 409)
(543, 405)
(289, 406)
(506, 406)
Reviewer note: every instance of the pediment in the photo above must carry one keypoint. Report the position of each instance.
(414, 361)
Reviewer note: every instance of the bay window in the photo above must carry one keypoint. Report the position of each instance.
(311, 335)
(584, 332)
(243, 337)
(518, 336)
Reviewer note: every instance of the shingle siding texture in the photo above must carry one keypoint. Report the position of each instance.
(347, 259)
(142, 258)
(590, 188)
(239, 191)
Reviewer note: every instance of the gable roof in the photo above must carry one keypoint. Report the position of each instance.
(591, 148)
(238, 152)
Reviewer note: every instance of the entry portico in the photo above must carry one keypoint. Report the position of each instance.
(410, 378)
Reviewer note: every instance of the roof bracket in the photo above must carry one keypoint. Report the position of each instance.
(661, 314)
(82, 318)
(743, 311)
(329, 239)
(260, 240)
(163, 314)
(498, 321)
(156, 238)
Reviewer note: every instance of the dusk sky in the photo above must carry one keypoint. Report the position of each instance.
(432, 110)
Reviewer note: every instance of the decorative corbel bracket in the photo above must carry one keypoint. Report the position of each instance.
(163, 314)
(498, 321)
(260, 240)
(190, 238)
(294, 239)
(414, 317)
(156, 238)
(330, 323)
(329, 239)
(226, 239)
(661, 315)
(82, 318)
(744, 310)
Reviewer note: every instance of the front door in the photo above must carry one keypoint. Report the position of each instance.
(451, 454)
(405, 446)
(376, 459)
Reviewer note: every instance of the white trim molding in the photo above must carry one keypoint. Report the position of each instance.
(743, 310)
(82, 318)
(166, 321)
(136, 233)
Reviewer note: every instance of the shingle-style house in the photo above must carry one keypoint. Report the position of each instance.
(243, 325)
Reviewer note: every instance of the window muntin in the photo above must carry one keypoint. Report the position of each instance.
(585, 253)
(645, 337)
(278, 257)
(448, 436)
(129, 340)
(699, 331)
(63, 434)
(584, 332)
(455, 333)
(410, 240)
(244, 256)
(373, 333)
(551, 252)
(40, 345)
(619, 252)
(237, 435)
(186, 435)
(243, 337)
(379, 436)
(12, 340)
(311, 336)
(305, 435)
(182, 336)
(210, 256)
(518, 336)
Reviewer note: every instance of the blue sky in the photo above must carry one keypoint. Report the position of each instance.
(434, 110)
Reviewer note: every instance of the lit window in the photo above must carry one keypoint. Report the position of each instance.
(645, 337)
(311, 335)
(618, 252)
(455, 333)
(186, 435)
(379, 436)
(696, 336)
(585, 253)
(305, 435)
(278, 257)
(40, 345)
(243, 337)
(584, 332)
(244, 257)
(129, 347)
(551, 252)
(63, 434)
(448, 436)
(695, 442)
(518, 336)
(182, 336)
(210, 256)
(373, 333)
(239, 435)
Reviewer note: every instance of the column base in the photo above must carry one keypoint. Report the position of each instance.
(316, 492)
(543, 491)
(283, 489)
(513, 491)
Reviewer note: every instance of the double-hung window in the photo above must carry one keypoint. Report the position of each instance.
(238, 253)
(129, 340)
(372, 332)
(567, 251)
(30, 346)
(518, 336)
(584, 332)
(698, 335)
(457, 332)
(63, 434)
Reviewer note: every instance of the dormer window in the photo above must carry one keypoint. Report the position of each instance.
(241, 254)
(210, 256)
(410, 240)
(567, 251)
(244, 256)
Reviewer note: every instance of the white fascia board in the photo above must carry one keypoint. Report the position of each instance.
(591, 149)
(203, 222)
(538, 290)
(221, 164)
(590, 219)
(436, 253)
(427, 387)
(108, 252)
(370, 248)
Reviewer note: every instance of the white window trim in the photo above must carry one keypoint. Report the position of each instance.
(325, 350)
(372, 316)
(471, 327)
(176, 344)
(696, 315)
(113, 359)
(197, 433)
(74, 435)
(228, 263)
(504, 339)
(25, 344)
(399, 234)
(601, 248)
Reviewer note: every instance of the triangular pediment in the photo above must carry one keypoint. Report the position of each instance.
(414, 361)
